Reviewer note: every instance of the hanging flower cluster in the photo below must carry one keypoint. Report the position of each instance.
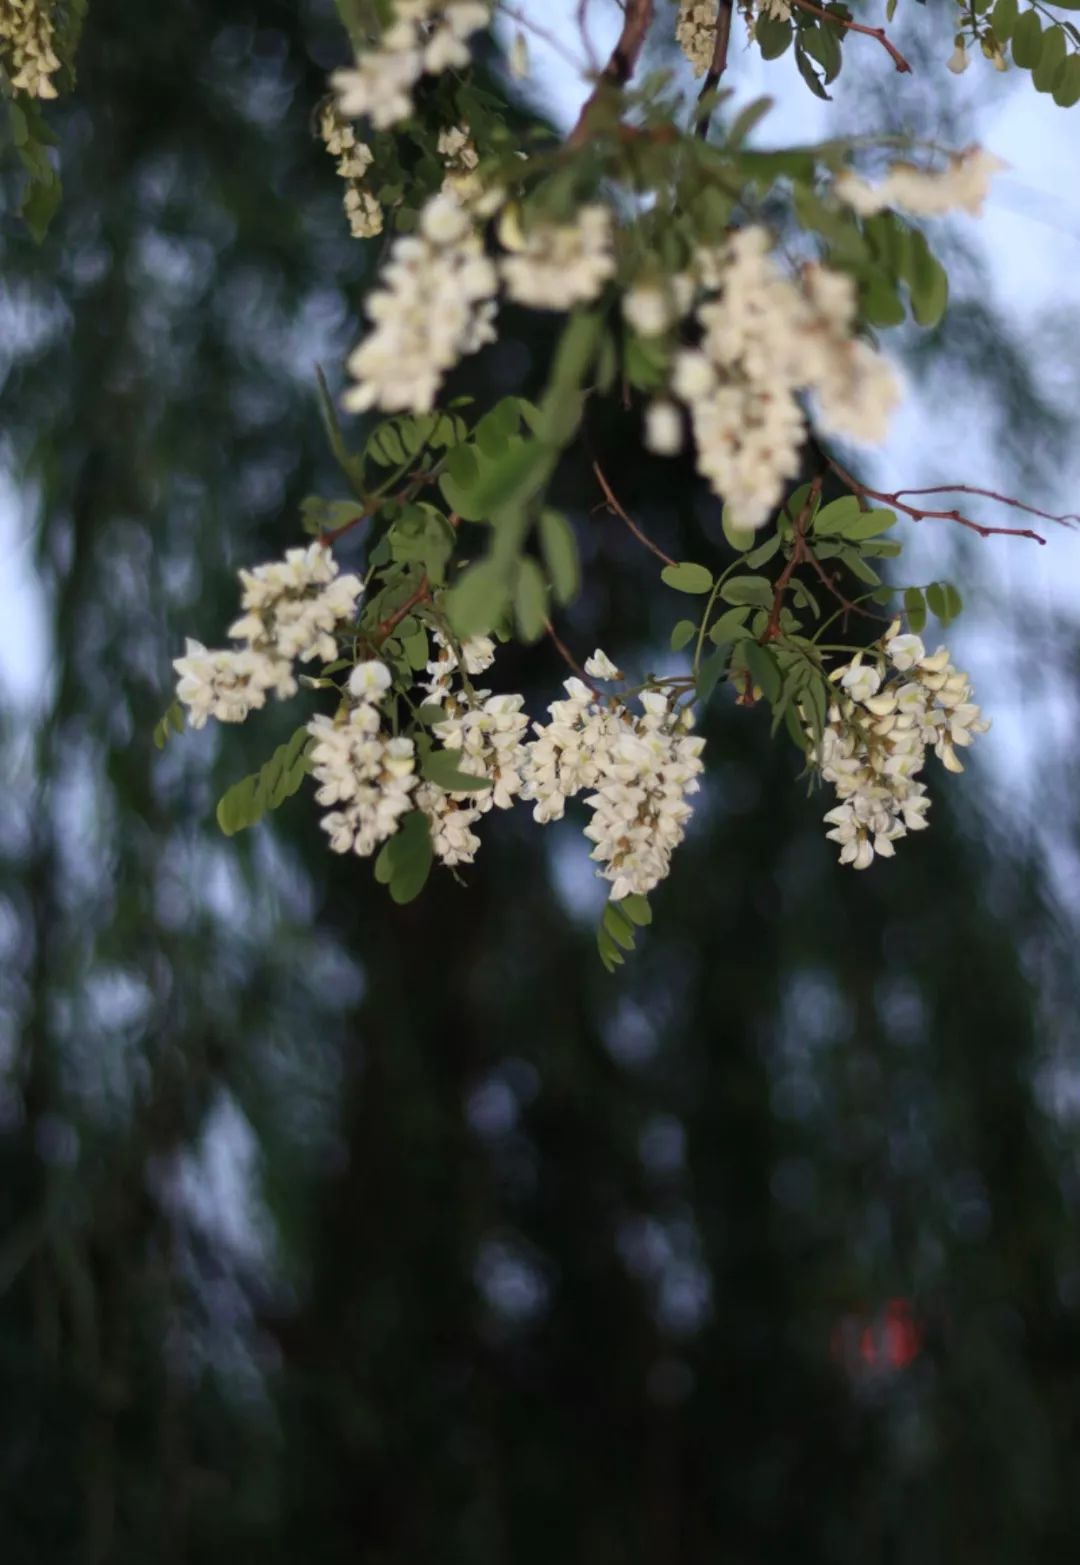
(426, 37)
(354, 159)
(557, 265)
(765, 339)
(887, 714)
(292, 608)
(435, 304)
(367, 775)
(641, 770)
(961, 187)
(26, 46)
(486, 732)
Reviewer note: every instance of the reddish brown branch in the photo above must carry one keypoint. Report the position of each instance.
(798, 554)
(717, 65)
(621, 65)
(387, 626)
(918, 514)
(617, 510)
(855, 27)
(992, 494)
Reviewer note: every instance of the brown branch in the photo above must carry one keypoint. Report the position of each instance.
(829, 583)
(717, 65)
(328, 538)
(992, 494)
(855, 27)
(617, 510)
(917, 514)
(622, 64)
(798, 554)
(386, 626)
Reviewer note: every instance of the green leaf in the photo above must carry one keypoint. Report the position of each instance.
(619, 926)
(823, 45)
(868, 524)
(1067, 83)
(837, 515)
(773, 37)
(478, 598)
(740, 538)
(1003, 19)
(944, 600)
(512, 478)
(754, 590)
(710, 672)
(636, 908)
(747, 119)
(858, 567)
(530, 600)
(558, 545)
(610, 954)
(684, 632)
(1051, 59)
(410, 857)
(247, 801)
(729, 627)
(171, 721)
(763, 553)
(441, 767)
(1027, 41)
(915, 608)
(927, 281)
(352, 466)
(687, 577)
(809, 75)
(763, 669)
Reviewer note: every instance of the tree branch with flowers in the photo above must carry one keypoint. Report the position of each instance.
(651, 237)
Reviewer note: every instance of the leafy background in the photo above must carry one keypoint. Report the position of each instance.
(335, 1231)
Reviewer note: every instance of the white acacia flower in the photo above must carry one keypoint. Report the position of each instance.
(600, 666)
(765, 340)
(434, 305)
(557, 265)
(861, 681)
(369, 681)
(292, 608)
(367, 778)
(875, 742)
(663, 428)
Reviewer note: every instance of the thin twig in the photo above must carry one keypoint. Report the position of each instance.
(992, 494)
(855, 27)
(620, 67)
(614, 506)
(798, 554)
(917, 514)
(717, 65)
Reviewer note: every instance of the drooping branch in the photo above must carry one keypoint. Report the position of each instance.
(855, 27)
(621, 64)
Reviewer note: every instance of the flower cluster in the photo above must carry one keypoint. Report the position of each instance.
(765, 339)
(354, 159)
(924, 192)
(291, 609)
(426, 37)
(641, 769)
(695, 32)
(26, 46)
(557, 265)
(486, 734)
(368, 776)
(435, 303)
(886, 716)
